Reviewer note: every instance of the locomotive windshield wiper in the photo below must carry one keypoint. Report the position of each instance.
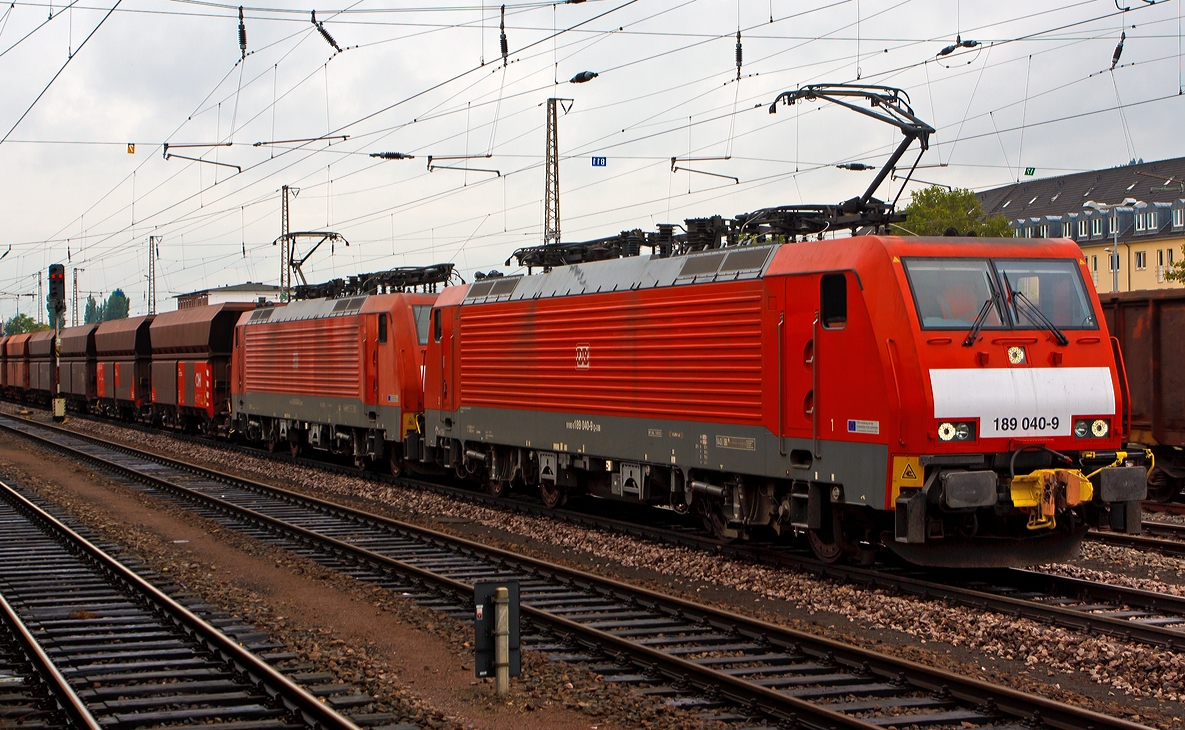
(1034, 313)
(973, 335)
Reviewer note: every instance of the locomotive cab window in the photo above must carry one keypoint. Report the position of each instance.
(436, 328)
(422, 313)
(383, 328)
(952, 293)
(1046, 289)
(833, 309)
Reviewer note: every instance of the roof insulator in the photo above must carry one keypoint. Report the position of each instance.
(1118, 49)
(583, 77)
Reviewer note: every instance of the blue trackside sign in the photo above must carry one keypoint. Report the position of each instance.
(600, 161)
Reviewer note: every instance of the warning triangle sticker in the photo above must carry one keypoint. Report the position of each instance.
(909, 472)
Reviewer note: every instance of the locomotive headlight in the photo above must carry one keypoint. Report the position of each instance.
(956, 431)
(1092, 428)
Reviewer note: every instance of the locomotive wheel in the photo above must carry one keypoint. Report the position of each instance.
(827, 542)
(826, 548)
(394, 464)
(294, 447)
(712, 514)
(498, 487)
(273, 443)
(552, 494)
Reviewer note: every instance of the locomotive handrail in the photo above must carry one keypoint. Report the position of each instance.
(1127, 389)
(890, 346)
(815, 386)
(781, 384)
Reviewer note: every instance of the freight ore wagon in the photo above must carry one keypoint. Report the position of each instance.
(1150, 329)
(16, 365)
(40, 367)
(77, 366)
(123, 367)
(336, 375)
(191, 351)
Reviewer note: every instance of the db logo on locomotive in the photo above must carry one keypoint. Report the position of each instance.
(582, 357)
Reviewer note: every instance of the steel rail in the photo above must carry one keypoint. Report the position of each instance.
(774, 703)
(63, 694)
(1175, 548)
(1166, 529)
(295, 698)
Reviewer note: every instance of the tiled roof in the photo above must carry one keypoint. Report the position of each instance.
(1162, 181)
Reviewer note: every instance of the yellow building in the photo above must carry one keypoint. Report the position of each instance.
(1129, 221)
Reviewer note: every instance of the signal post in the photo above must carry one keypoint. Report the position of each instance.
(57, 305)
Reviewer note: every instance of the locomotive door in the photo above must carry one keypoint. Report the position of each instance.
(831, 375)
(796, 368)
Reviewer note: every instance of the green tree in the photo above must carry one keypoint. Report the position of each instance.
(935, 210)
(117, 306)
(22, 323)
(93, 314)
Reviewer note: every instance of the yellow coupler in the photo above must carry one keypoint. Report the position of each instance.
(1047, 490)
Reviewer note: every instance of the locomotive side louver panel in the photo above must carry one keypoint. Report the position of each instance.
(669, 353)
(315, 358)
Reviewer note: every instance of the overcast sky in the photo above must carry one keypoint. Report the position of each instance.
(1036, 92)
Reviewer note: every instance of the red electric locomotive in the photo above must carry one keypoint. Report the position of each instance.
(954, 400)
(336, 375)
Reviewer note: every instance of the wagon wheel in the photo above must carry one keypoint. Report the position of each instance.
(498, 487)
(1161, 486)
(553, 495)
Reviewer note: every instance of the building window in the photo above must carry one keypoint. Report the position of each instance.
(1178, 217)
(1160, 257)
(1082, 228)
(1043, 232)
(1096, 226)
(1016, 232)
(1139, 221)
(1169, 256)
(1141, 260)
(1028, 232)
(1094, 264)
(1114, 262)
(1150, 222)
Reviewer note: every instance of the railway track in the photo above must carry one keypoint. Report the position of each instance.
(122, 652)
(724, 665)
(1097, 608)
